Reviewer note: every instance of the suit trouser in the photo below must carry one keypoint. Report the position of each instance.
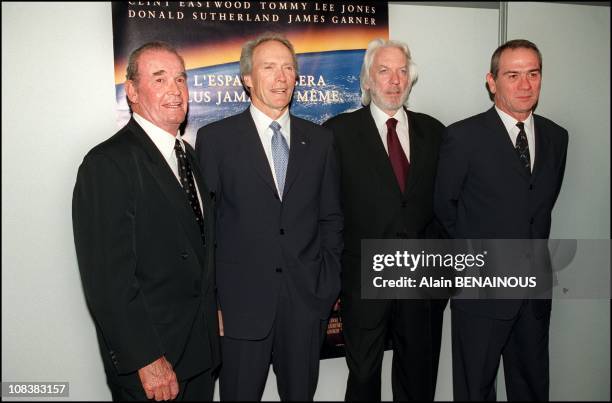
(293, 346)
(479, 342)
(415, 327)
(197, 388)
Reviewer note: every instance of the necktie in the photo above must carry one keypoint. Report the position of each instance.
(522, 147)
(398, 159)
(280, 155)
(186, 175)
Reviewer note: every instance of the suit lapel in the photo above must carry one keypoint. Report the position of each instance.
(207, 207)
(170, 186)
(368, 133)
(253, 149)
(542, 145)
(416, 137)
(503, 143)
(297, 153)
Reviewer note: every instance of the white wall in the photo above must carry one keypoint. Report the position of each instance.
(58, 102)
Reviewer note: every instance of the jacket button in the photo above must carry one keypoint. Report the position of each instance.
(531, 221)
(531, 187)
(404, 203)
(282, 231)
(279, 270)
(184, 255)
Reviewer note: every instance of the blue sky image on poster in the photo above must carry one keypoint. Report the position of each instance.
(329, 38)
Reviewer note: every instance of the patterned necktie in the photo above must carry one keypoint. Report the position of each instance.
(280, 155)
(522, 147)
(399, 162)
(188, 184)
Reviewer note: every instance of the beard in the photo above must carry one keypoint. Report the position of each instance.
(387, 104)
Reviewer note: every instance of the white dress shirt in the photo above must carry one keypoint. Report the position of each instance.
(380, 118)
(513, 131)
(262, 123)
(164, 142)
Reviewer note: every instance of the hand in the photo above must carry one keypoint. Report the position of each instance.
(159, 380)
(220, 315)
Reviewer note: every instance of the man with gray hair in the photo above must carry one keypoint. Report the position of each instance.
(388, 156)
(144, 236)
(279, 223)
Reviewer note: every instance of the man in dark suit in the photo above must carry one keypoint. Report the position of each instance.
(143, 230)
(279, 229)
(388, 157)
(499, 176)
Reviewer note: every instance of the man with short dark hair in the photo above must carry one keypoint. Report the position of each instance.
(499, 176)
(143, 230)
(279, 227)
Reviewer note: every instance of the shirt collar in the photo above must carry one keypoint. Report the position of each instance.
(262, 121)
(510, 122)
(380, 117)
(163, 140)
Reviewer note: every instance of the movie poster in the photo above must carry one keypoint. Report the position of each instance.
(329, 37)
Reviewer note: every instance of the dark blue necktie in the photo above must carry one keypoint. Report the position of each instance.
(186, 175)
(522, 147)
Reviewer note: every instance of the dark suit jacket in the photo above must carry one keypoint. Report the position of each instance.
(261, 239)
(373, 204)
(147, 277)
(483, 192)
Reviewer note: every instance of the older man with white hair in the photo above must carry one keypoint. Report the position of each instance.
(388, 156)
